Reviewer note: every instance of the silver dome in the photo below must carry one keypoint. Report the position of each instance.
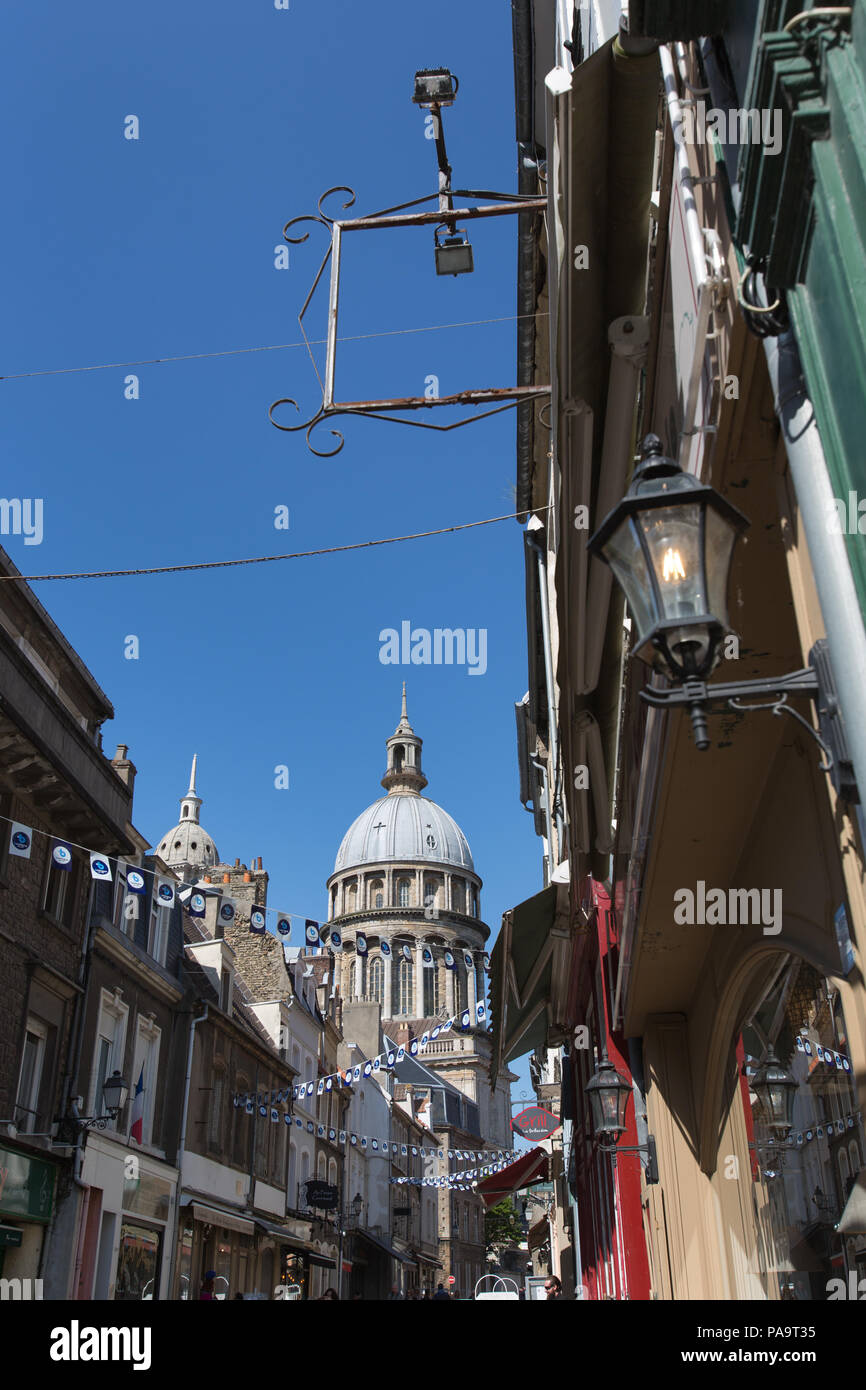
(404, 826)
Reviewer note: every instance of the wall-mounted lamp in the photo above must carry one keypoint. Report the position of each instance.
(670, 542)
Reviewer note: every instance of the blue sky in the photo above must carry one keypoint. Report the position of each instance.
(116, 250)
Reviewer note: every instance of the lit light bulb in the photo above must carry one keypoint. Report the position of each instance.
(672, 566)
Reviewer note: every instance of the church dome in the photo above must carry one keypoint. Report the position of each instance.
(404, 826)
(188, 843)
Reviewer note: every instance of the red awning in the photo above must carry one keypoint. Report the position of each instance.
(531, 1167)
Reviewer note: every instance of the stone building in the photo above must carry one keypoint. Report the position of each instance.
(56, 781)
(405, 899)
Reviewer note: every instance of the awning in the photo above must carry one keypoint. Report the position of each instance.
(281, 1233)
(216, 1216)
(529, 974)
(853, 1219)
(321, 1260)
(530, 1168)
(380, 1244)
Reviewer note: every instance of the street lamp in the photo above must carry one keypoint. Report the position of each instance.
(670, 543)
(775, 1089)
(356, 1207)
(608, 1097)
(114, 1093)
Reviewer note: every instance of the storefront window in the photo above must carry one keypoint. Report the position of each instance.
(138, 1263)
(295, 1272)
(807, 1177)
(223, 1265)
(184, 1262)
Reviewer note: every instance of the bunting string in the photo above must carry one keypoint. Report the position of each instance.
(193, 896)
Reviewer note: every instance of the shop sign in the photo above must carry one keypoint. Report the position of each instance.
(26, 1186)
(321, 1195)
(9, 1236)
(535, 1124)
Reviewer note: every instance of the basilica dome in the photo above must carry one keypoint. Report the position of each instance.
(404, 826)
(188, 844)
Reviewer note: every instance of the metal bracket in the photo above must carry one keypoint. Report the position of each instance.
(501, 398)
(815, 680)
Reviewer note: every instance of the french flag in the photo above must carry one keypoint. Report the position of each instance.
(136, 1129)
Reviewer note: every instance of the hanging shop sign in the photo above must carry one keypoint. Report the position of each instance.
(535, 1124)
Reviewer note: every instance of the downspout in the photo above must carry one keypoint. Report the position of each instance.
(527, 250)
(552, 739)
(840, 605)
(181, 1148)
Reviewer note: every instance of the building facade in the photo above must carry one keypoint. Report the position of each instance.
(690, 209)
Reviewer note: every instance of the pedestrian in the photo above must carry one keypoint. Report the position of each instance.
(395, 1294)
(329, 1296)
(440, 1293)
(553, 1287)
(206, 1290)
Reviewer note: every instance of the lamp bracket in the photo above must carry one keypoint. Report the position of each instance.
(815, 680)
(649, 1148)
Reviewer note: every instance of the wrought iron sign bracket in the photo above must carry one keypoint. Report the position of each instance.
(498, 398)
(815, 680)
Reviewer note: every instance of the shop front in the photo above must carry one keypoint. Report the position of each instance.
(250, 1257)
(124, 1232)
(27, 1196)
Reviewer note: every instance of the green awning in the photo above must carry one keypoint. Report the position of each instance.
(522, 967)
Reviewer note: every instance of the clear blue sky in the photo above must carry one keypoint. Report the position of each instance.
(117, 249)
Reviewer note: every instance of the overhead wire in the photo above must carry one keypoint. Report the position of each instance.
(265, 559)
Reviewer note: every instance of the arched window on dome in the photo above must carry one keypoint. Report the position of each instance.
(404, 889)
(399, 755)
(186, 810)
(459, 990)
(458, 895)
(334, 901)
(374, 975)
(403, 980)
(351, 897)
(432, 993)
(432, 896)
(473, 898)
(377, 893)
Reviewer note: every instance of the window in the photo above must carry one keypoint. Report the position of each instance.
(59, 896)
(320, 1171)
(332, 1172)
(30, 1077)
(109, 1049)
(291, 1192)
(304, 1178)
(403, 986)
(375, 976)
(458, 896)
(241, 1141)
(402, 892)
(377, 893)
(352, 897)
(157, 938)
(145, 1067)
(432, 999)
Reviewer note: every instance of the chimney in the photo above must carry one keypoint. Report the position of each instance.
(123, 767)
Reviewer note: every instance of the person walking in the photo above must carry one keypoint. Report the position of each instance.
(440, 1293)
(206, 1291)
(553, 1287)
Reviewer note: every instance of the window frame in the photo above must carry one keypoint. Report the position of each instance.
(40, 1030)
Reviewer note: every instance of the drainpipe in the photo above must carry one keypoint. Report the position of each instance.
(552, 739)
(181, 1148)
(840, 605)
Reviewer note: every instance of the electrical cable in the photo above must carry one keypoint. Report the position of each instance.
(273, 347)
(265, 559)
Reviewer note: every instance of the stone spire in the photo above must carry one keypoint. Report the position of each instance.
(403, 773)
(191, 803)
